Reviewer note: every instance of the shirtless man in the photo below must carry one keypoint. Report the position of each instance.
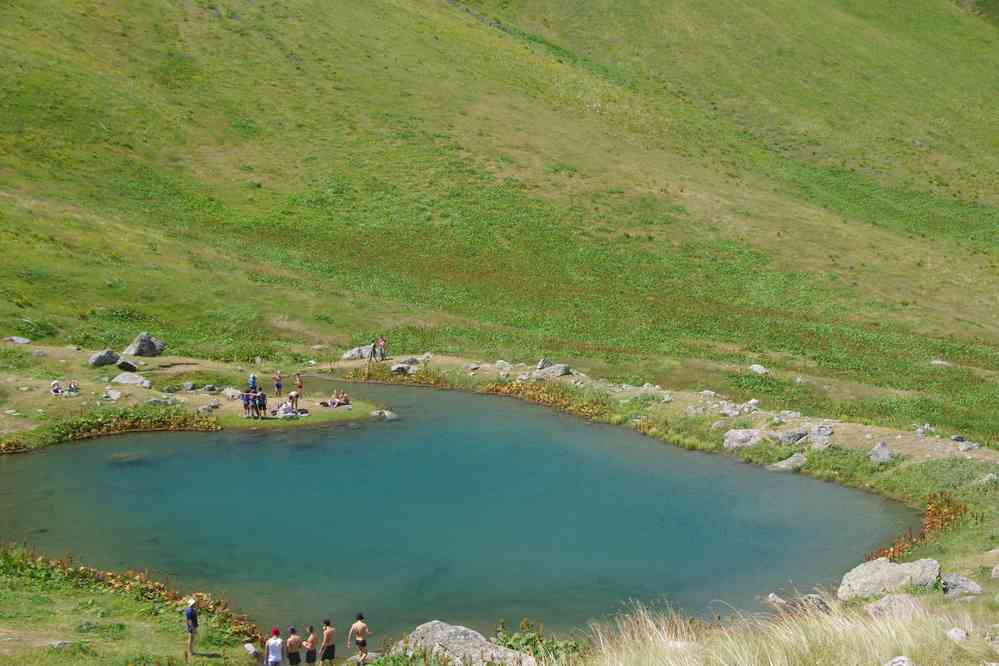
(278, 382)
(327, 653)
(360, 631)
(293, 647)
(310, 646)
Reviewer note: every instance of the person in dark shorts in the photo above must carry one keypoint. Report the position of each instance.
(360, 631)
(278, 383)
(327, 652)
(293, 647)
(261, 404)
(191, 620)
(310, 646)
(246, 397)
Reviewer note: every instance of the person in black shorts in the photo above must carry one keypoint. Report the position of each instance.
(293, 647)
(327, 652)
(310, 646)
(360, 631)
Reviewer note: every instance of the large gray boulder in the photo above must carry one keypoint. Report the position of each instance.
(459, 645)
(358, 353)
(956, 585)
(789, 437)
(820, 437)
(145, 345)
(740, 439)
(902, 606)
(102, 358)
(552, 371)
(131, 379)
(792, 464)
(881, 576)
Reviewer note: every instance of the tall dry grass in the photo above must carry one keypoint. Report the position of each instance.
(846, 636)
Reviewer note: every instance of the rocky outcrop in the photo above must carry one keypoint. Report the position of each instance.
(102, 358)
(792, 464)
(358, 353)
(459, 645)
(881, 576)
(902, 606)
(956, 585)
(740, 439)
(552, 371)
(131, 379)
(789, 437)
(145, 345)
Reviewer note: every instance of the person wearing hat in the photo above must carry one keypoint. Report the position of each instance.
(274, 648)
(191, 619)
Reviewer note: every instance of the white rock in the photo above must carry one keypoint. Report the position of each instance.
(130, 378)
(880, 454)
(758, 369)
(899, 661)
(739, 439)
(792, 464)
(957, 635)
(894, 605)
(459, 645)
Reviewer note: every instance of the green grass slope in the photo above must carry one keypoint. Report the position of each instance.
(664, 191)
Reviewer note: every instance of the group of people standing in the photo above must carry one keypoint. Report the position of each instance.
(277, 650)
(255, 400)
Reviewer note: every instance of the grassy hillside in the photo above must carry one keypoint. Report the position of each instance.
(663, 192)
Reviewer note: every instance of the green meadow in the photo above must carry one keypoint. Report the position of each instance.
(660, 192)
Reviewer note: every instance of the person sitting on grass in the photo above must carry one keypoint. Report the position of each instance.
(55, 389)
(73, 388)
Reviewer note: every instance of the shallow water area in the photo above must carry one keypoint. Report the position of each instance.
(470, 509)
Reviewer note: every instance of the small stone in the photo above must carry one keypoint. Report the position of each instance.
(739, 439)
(126, 365)
(503, 366)
(995, 572)
(544, 363)
(956, 438)
(39, 353)
(899, 661)
(758, 369)
(880, 454)
(401, 369)
(789, 437)
(188, 386)
(472, 367)
(17, 340)
(940, 362)
(209, 388)
(552, 371)
(957, 635)
(205, 410)
(129, 378)
(231, 393)
(964, 447)
(57, 645)
(956, 585)
(111, 395)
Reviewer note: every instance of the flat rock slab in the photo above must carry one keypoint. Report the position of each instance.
(792, 464)
(956, 585)
(881, 576)
(740, 439)
(358, 353)
(459, 645)
(903, 606)
(131, 379)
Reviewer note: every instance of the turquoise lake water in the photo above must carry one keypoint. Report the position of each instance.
(469, 509)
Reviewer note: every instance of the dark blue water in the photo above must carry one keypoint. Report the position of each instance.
(469, 509)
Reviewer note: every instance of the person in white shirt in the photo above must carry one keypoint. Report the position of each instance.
(274, 648)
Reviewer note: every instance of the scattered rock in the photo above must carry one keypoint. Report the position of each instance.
(231, 393)
(112, 395)
(995, 572)
(957, 438)
(957, 635)
(707, 393)
(787, 415)
(789, 437)
(214, 403)
(209, 388)
(880, 454)
(17, 340)
(145, 345)
(39, 353)
(899, 661)
(902, 606)
(956, 585)
(989, 478)
(318, 347)
(358, 353)
(544, 363)
(459, 645)
(503, 366)
(412, 360)
(472, 367)
(792, 464)
(130, 378)
(188, 386)
(552, 371)
(205, 410)
(807, 603)
(126, 365)
(523, 377)
(966, 446)
(426, 358)
(165, 401)
(758, 369)
(740, 439)
(102, 358)
(820, 437)
(57, 645)
(940, 362)
(402, 369)
(385, 415)
(880, 576)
